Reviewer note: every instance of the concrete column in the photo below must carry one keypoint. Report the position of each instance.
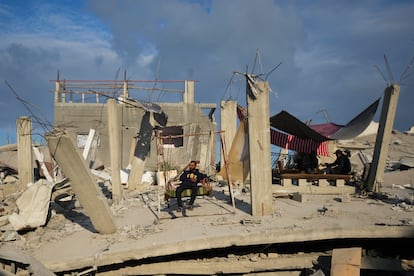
(386, 122)
(259, 150)
(24, 151)
(188, 96)
(228, 123)
(126, 92)
(57, 91)
(135, 176)
(114, 132)
(82, 182)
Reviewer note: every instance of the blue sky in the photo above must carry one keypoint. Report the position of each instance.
(328, 51)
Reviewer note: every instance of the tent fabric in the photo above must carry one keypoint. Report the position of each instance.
(287, 141)
(324, 132)
(291, 125)
(326, 129)
(357, 125)
(238, 156)
(297, 144)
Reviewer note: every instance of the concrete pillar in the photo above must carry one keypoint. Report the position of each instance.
(259, 150)
(386, 122)
(82, 182)
(24, 151)
(114, 132)
(126, 92)
(188, 96)
(228, 123)
(135, 175)
(57, 91)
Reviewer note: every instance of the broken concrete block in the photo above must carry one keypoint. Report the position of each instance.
(300, 197)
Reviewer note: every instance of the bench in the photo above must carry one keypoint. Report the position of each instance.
(301, 179)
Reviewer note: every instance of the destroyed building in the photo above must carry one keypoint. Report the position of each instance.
(80, 106)
(315, 230)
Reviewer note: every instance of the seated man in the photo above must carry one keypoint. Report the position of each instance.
(310, 162)
(341, 165)
(189, 180)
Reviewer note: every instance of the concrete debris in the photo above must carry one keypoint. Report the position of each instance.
(9, 235)
(140, 236)
(14, 254)
(250, 221)
(224, 221)
(33, 205)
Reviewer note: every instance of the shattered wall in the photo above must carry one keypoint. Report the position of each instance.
(78, 118)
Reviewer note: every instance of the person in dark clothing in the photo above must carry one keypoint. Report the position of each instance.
(189, 180)
(310, 162)
(341, 165)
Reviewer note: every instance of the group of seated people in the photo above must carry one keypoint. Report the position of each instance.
(309, 163)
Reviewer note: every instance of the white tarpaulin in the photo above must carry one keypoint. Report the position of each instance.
(238, 156)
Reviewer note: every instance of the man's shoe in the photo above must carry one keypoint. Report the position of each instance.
(190, 208)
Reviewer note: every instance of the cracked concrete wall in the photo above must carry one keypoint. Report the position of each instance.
(78, 118)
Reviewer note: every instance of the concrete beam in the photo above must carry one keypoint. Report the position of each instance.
(158, 247)
(259, 148)
(24, 151)
(188, 96)
(114, 132)
(82, 182)
(386, 122)
(221, 266)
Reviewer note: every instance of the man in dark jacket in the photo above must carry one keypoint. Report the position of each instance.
(341, 165)
(189, 180)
